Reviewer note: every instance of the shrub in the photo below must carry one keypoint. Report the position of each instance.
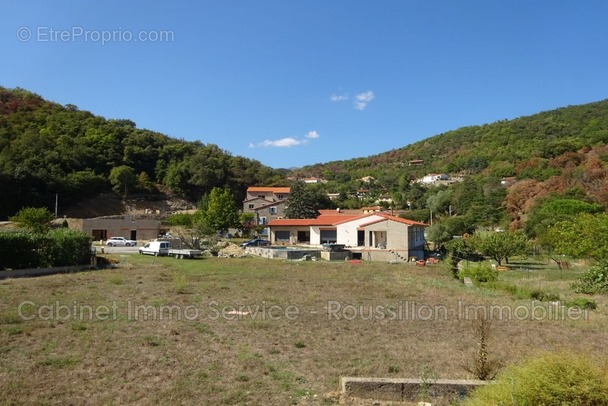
(68, 247)
(552, 379)
(582, 303)
(594, 280)
(60, 247)
(480, 273)
(543, 296)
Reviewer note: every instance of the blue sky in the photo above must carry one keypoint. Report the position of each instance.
(292, 83)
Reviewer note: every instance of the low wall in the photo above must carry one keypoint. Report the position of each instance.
(383, 255)
(406, 389)
(336, 255)
(20, 273)
(281, 253)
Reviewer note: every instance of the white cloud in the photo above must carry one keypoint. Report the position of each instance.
(338, 97)
(363, 99)
(286, 142)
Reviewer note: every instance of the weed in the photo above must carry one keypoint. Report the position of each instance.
(15, 330)
(180, 283)
(428, 376)
(392, 369)
(58, 362)
(116, 279)
(482, 366)
(152, 341)
(79, 327)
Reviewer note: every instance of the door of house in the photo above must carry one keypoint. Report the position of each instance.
(134, 234)
(99, 235)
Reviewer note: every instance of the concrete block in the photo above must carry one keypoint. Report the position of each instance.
(406, 389)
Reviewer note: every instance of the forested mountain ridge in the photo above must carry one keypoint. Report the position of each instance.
(496, 148)
(557, 154)
(48, 149)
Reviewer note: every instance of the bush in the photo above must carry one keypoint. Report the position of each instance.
(552, 379)
(594, 280)
(582, 303)
(543, 296)
(60, 247)
(21, 249)
(480, 273)
(68, 247)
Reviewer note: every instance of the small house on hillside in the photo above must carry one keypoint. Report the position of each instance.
(434, 177)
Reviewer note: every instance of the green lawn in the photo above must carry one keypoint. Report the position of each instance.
(255, 331)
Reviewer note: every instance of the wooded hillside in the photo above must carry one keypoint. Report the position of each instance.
(47, 148)
(558, 153)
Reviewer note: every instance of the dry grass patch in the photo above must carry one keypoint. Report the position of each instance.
(249, 331)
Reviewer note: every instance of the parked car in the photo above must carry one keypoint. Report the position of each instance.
(120, 242)
(256, 242)
(155, 248)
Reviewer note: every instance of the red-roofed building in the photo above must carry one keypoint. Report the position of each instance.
(266, 202)
(371, 236)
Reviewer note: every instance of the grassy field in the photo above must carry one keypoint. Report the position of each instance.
(262, 332)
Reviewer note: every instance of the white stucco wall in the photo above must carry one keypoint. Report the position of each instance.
(315, 236)
(347, 232)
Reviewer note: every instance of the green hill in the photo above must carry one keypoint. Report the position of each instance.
(497, 148)
(554, 154)
(48, 149)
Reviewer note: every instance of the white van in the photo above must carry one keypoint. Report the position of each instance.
(155, 248)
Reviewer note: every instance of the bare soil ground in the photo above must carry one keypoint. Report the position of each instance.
(108, 204)
(250, 331)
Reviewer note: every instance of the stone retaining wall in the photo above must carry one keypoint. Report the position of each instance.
(406, 389)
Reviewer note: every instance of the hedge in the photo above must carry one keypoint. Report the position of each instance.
(60, 247)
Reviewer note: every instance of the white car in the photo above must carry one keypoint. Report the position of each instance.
(120, 242)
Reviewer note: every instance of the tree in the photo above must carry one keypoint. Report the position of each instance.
(585, 235)
(438, 233)
(460, 249)
(548, 212)
(500, 245)
(246, 223)
(36, 219)
(302, 203)
(122, 178)
(440, 202)
(220, 212)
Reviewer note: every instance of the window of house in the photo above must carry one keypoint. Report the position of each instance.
(281, 236)
(273, 210)
(263, 220)
(251, 206)
(279, 196)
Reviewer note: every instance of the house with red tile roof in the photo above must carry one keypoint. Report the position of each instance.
(370, 236)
